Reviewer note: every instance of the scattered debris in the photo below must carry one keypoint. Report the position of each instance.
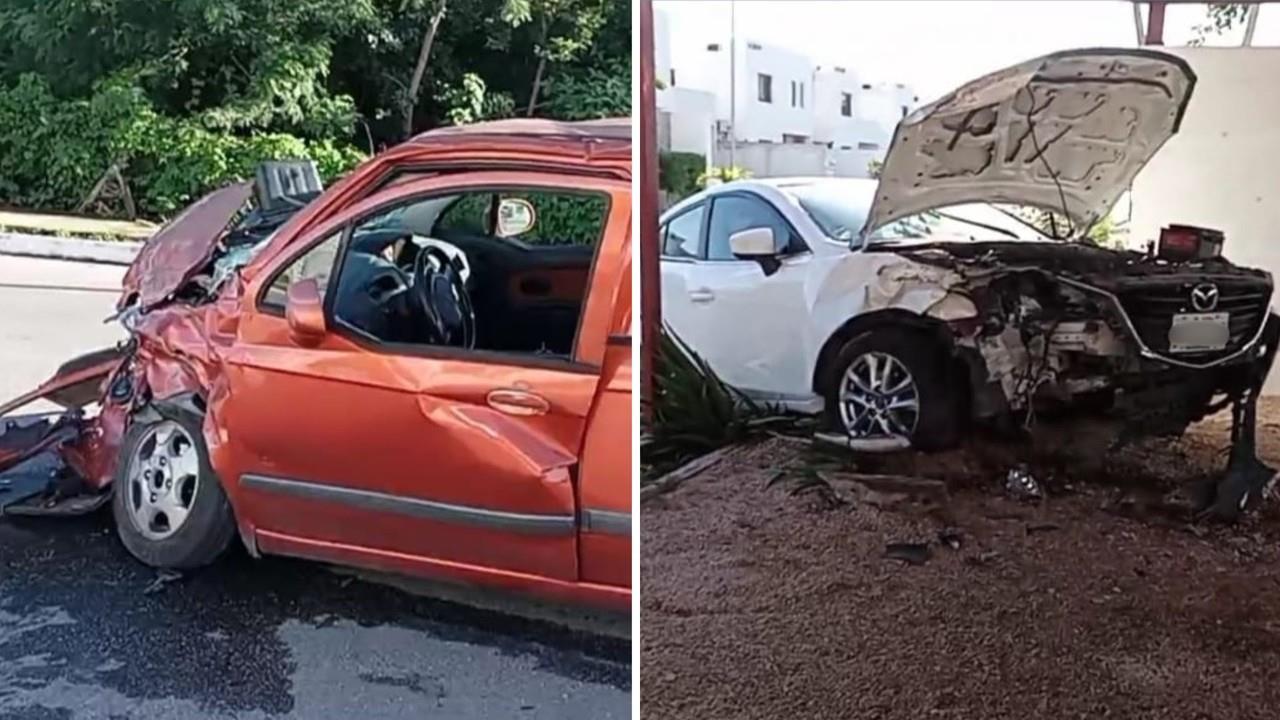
(951, 537)
(813, 483)
(57, 504)
(164, 578)
(1020, 484)
(910, 553)
(982, 558)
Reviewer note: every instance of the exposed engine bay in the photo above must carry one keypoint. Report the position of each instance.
(1041, 328)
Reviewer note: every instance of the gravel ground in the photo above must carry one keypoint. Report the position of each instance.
(1092, 603)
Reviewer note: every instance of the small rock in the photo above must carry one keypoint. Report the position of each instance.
(1020, 484)
(950, 537)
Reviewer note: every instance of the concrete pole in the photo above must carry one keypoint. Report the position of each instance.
(650, 270)
(733, 85)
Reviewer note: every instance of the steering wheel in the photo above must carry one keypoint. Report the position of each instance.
(442, 298)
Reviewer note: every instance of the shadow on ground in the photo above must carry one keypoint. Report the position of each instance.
(80, 637)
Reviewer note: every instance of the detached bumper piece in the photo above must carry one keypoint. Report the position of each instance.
(48, 490)
(1247, 479)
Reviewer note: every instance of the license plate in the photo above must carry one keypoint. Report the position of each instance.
(1197, 332)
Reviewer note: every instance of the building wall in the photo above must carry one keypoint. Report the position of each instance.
(858, 130)
(689, 121)
(787, 160)
(786, 114)
(1222, 169)
(698, 59)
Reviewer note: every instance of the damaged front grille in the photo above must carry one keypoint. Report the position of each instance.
(1151, 307)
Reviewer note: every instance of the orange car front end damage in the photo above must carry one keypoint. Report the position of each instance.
(457, 464)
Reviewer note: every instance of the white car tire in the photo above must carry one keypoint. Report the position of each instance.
(893, 382)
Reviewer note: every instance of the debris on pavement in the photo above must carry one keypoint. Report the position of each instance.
(164, 578)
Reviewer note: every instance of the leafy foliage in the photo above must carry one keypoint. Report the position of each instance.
(560, 218)
(1220, 18)
(722, 174)
(678, 172)
(52, 151)
(192, 92)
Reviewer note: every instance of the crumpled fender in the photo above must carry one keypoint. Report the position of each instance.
(77, 383)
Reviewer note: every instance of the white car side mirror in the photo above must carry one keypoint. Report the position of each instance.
(753, 243)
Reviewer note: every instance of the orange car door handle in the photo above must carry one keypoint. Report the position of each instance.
(517, 402)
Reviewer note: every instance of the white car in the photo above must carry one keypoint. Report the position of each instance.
(908, 308)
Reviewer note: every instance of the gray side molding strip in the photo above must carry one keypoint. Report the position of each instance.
(606, 522)
(461, 514)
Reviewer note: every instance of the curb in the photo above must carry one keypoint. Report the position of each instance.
(69, 248)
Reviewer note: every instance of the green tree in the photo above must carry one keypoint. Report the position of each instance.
(185, 91)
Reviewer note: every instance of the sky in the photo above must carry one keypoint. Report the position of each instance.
(938, 45)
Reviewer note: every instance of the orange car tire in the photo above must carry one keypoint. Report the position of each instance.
(208, 525)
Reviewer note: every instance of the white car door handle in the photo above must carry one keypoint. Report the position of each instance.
(701, 295)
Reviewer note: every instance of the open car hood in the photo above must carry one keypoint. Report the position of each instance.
(1091, 119)
(183, 247)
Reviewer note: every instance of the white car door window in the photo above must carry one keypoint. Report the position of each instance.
(681, 237)
(735, 213)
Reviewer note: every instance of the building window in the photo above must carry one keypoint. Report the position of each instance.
(753, 46)
(868, 146)
(764, 88)
(713, 47)
(904, 111)
(673, 77)
(846, 104)
(797, 94)
(794, 139)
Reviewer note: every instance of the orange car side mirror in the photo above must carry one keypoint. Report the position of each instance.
(304, 309)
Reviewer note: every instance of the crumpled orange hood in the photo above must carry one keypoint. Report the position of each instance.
(182, 247)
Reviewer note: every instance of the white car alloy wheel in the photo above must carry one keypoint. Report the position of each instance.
(878, 397)
(163, 477)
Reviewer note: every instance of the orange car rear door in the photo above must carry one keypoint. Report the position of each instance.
(423, 459)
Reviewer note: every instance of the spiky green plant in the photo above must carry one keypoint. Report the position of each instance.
(694, 411)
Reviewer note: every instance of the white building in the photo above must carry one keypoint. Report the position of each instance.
(787, 114)
(686, 115)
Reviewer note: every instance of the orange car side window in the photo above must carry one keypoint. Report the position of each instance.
(315, 263)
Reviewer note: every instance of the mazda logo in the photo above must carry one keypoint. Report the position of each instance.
(1204, 297)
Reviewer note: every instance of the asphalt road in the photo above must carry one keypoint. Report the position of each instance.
(51, 311)
(87, 633)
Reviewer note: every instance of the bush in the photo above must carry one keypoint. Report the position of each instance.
(678, 172)
(52, 151)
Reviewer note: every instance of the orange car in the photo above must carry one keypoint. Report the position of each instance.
(425, 369)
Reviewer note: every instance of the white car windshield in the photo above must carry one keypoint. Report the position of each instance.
(840, 210)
